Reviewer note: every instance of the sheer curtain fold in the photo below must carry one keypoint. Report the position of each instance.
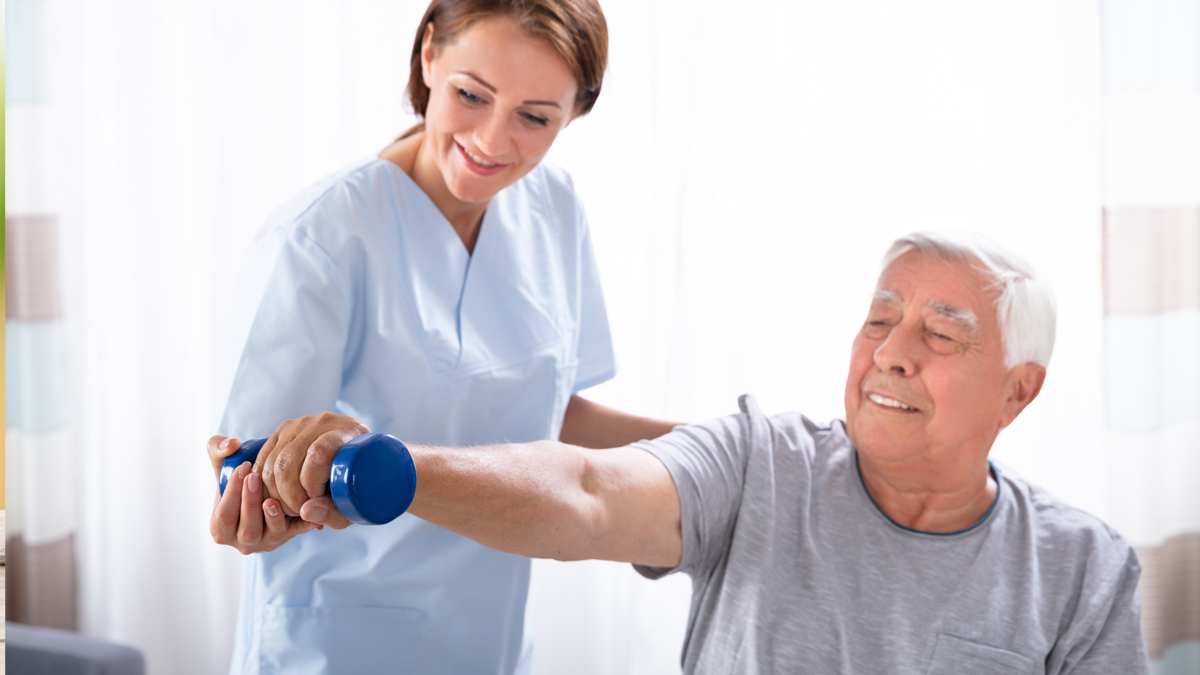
(743, 172)
(1151, 239)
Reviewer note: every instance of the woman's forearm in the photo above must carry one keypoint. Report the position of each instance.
(527, 498)
(591, 425)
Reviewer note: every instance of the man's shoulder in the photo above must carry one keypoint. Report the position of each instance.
(790, 430)
(1064, 532)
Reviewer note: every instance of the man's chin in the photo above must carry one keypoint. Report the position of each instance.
(885, 442)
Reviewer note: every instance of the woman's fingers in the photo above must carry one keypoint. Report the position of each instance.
(280, 528)
(246, 519)
(220, 447)
(224, 522)
(276, 523)
(250, 524)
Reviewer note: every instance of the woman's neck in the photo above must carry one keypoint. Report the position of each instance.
(412, 156)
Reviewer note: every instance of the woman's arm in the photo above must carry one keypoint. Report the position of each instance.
(591, 425)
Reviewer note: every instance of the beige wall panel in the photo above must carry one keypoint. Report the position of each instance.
(1151, 260)
(1171, 592)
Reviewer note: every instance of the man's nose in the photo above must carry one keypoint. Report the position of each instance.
(897, 354)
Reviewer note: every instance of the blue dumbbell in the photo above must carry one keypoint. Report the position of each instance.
(372, 480)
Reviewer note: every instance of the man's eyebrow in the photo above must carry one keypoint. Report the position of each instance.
(963, 317)
(887, 296)
(492, 89)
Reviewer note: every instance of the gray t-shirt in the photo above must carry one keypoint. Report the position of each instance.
(795, 569)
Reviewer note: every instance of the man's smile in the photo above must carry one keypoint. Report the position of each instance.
(888, 402)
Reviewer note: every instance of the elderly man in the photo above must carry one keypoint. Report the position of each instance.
(887, 543)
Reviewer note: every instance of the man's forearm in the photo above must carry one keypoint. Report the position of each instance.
(528, 498)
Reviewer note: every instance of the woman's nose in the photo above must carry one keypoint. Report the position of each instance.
(491, 137)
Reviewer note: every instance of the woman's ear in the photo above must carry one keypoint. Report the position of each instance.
(427, 54)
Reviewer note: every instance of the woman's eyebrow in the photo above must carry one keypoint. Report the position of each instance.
(478, 79)
(492, 89)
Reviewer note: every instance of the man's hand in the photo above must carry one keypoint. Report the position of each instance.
(296, 460)
(244, 517)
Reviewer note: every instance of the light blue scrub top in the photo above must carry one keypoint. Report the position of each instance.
(359, 297)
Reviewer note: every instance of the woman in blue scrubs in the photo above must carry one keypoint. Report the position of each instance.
(445, 292)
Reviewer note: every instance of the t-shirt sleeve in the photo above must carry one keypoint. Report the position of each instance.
(595, 350)
(287, 337)
(708, 462)
(1107, 637)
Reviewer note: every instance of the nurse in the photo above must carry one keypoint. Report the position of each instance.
(444, 291)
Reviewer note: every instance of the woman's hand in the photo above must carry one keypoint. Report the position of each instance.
(245, 517)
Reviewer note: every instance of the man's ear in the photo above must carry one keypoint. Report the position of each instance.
(1024, 384)
(427, 54)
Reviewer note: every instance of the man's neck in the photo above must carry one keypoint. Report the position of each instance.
(915, 497)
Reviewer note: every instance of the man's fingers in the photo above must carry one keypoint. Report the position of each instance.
(322, 510)
(287, 473)
(281, 465)
(285, 469)
(250, 524)
(314, 472)
(224, 522)
(300, 526)
(261, 465)
(220, 447)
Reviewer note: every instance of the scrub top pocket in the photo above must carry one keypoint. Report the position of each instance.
(322, 640)
(955, 656)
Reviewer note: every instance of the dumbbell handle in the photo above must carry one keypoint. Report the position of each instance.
(372, 480)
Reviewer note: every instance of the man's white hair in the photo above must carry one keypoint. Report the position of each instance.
(1025, 309)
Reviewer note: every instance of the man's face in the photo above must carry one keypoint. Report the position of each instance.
(927, 376)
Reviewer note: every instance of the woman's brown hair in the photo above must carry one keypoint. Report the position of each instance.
(575, 28)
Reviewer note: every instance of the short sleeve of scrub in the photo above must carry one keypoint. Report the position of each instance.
(595, 350)
(292, 320)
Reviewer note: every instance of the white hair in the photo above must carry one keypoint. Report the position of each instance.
(1025, 309)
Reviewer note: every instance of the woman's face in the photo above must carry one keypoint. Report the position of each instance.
(498, 98)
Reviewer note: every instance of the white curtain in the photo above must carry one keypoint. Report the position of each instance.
(744, 169)
(1151, 67)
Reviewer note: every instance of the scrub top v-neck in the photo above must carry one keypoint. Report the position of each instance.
(358, 296)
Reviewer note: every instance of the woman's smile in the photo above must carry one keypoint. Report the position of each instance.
(478, 164)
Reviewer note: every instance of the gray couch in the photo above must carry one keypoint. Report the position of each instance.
(32, 649)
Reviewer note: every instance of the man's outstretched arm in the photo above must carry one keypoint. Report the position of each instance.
(552, 500)
(544, 499)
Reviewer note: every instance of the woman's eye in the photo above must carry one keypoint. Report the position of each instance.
(469, 97)
(534, 119)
